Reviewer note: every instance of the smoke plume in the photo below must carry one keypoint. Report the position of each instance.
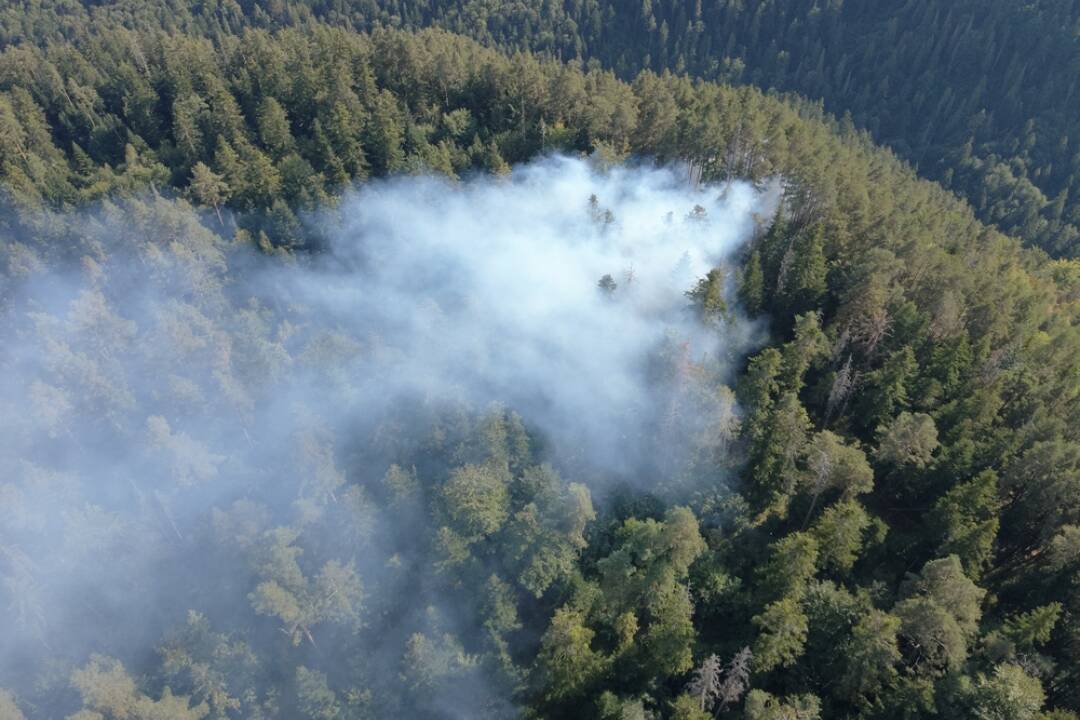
(163, 388)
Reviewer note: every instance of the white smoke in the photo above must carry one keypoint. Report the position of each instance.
(490, 289)
(152, 372)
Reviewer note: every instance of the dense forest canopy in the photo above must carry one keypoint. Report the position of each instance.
(855, 402)
(981, 95)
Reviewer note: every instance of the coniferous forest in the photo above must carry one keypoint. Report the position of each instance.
(979, 95)
(545, 360)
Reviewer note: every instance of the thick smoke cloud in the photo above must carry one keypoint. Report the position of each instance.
(163, 389)
(490, 290)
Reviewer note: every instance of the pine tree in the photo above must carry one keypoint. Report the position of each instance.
(752, 285)
(208, 188)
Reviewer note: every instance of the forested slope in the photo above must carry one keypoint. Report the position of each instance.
(891, 528)
(981, 96)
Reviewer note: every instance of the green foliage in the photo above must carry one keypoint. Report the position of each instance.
(1032, 628)
(944, 582)
(758, 390)
(335, 595)
(316, 700)
(902, 329)
(803, 271)
(832, 465)
(782, 635)
(886, 390)
(1064, 548)
(981, 119)
(940, 615)
(1008, 693)
(208, 188)
(566, 663)
(212, 667)
(761, 705)
(775, 455)
(109, 692)
(871, 656)
(430, 662)
(909, 440)
(547, 535)
(1041, 487)
(839, 533)
(686, 707)
(477, 499)
(808, 347)
(707, 296)
(792, 562)
(669, 638)
(650, 557)
(968, 521)
(937, 640)
(752, 285)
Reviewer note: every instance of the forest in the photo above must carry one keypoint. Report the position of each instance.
(979, 95)
(358, 369)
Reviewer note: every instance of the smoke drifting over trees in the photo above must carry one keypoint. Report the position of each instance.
(330, 476)
(288, 453)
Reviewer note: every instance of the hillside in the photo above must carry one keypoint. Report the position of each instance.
(838, 475)
(978, 95)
